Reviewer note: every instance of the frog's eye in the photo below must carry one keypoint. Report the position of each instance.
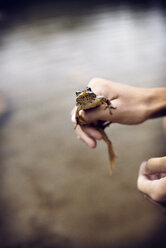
(89, 89)
(78, 92)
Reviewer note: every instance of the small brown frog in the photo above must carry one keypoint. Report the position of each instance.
(87, 99)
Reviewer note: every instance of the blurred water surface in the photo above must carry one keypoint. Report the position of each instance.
(55, 192)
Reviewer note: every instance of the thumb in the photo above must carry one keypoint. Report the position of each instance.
(155, 165)
(95, 114)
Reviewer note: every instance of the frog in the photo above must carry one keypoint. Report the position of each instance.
(87, 99)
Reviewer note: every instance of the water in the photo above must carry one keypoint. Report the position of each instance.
(54, 190)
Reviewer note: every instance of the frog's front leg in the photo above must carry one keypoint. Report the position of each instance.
(107, 103)
(79, 119)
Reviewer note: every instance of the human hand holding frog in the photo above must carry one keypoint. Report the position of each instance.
(132, 106)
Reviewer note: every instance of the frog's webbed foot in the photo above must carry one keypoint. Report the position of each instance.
(107, 104)
(111, 106)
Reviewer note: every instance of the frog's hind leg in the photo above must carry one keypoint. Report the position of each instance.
(111, 152)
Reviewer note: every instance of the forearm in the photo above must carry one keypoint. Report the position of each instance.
(156, 102)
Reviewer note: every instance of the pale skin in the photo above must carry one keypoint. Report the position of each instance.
(132, 106)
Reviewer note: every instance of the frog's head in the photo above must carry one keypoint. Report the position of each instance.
(84, 96)
(87, 90)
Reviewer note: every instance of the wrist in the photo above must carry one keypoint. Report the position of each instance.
(155, 102)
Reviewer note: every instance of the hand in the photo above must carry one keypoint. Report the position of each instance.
(130, 103)
(152, 180)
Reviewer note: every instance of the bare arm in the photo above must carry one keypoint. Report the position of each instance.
(133, 106)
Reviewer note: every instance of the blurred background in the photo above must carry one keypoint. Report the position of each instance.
(54, 190)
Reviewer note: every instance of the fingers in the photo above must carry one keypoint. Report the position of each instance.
(155, 165)
(92, 115)
(153, 187)
(92, 132)
(73, 115)
(87, 134)
(98, 85)
(102, 87)
(143, 183)
(82, 135)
